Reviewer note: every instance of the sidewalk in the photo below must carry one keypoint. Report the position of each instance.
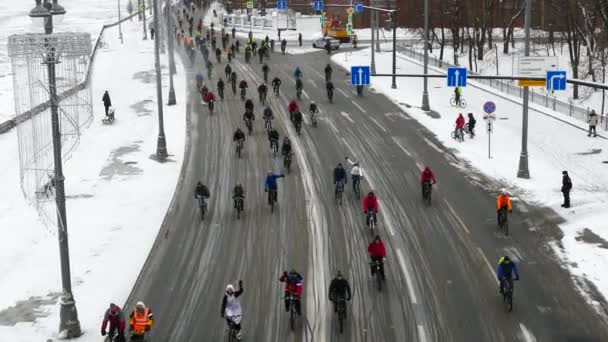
(117, 197)
(553, 146)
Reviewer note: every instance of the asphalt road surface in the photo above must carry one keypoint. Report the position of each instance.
(440, 258)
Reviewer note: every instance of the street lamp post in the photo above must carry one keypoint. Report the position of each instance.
(161, 143)
(425, 92)
(68, 315)
(371, 26)
(120, 24)
(143, 13)
(394, 22)
(171, 101)
(523, 171)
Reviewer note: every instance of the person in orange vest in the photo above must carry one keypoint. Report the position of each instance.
(503, 202)
(140, 321)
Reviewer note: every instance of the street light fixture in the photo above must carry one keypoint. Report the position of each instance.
(69, 326)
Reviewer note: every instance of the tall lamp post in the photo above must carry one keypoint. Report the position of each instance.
(523, 171)
(394, 22)
(120, 24)
(161, 143)
(425, 93)
(169, 16)
(68, 316)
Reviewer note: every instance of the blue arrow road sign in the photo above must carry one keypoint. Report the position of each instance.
(358, 7)
(281, 5)
(489, 107)
(556, 80)
(359, 75)
(318, 5)
(457, 77)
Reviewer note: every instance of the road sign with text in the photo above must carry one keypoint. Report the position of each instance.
(359, 75)
(556, 80)
(249, 4)
(457, 77)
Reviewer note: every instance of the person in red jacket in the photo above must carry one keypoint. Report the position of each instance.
(460, 122)
(293, 285)
(115, 317)
(427, 176)
(370, 202)
(377, 253)
(209, 97)
(292, 108)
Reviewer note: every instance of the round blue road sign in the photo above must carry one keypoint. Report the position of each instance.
(489, 107)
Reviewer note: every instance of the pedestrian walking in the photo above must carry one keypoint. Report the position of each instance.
(272, 45)
(566, 187)
(107, 103)
(300, 38)
(592, 123)
(152, 30)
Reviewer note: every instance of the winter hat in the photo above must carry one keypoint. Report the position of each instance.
(564, 172)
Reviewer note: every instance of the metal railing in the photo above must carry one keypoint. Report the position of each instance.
(507, 87)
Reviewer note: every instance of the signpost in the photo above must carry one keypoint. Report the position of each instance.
(457, 77)
(359, 75)
(249, 4)
(349, 21)
(281, 5)
(535, 66)
(359, 7)
(489, 107)
(556, 80)
(318, 5)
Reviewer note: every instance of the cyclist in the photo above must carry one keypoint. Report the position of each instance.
(243, 86)
(299, 87)
(297, 74)
(210, 99)
(339, 289)
(292, 107)
(370, 203)
(426, 176)
(505, 270)
(262, 52)
(238, 193)
(270, 185)
(262, 92)
(204, 91)
(330, 90)
(140, 321)
(283, 45)
(503, 202)
(460, 123)
(116, 318)
(273, 137)
(231, 308)
(276, 84)
(339, 177)
(254, 47)
(328, 71)
(218, 55)
(199, 81)
(247, 52)
(233, 82)
(457, 95)
(377, 253)
(228, 71)
(238, 136)
(249, 105)
(293, 286)
(313, 109)
(220, 88)
(209, 69)
(201, 191)
(356, 172)
(265, 70)
(297, 120)
(238, 46)
(268, 116)
(286, 150)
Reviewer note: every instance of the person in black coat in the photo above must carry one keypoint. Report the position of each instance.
(107, 103)
(471, 124)
(566, 187)
(339, 289)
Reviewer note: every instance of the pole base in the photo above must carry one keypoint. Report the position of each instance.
(523, 171)
(394, 85)
(69, 326)
(425, 102)
(171, 100)
(161, 147)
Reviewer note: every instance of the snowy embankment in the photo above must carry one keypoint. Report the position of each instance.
(554, 146)
(117, 197)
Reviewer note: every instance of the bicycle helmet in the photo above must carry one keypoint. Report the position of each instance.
(506, 259)
(229, 288)
(339, 274)
(504, 191)
(140, 305)
(377, 238)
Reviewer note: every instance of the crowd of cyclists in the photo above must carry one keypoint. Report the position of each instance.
(141, 319)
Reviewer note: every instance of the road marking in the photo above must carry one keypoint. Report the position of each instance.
(421, 333)
(456, 216)
(419, 166)
(433, 145)
(347, 116)
(389, 116)
(343, 93)
(314, 84)
(332, 126)
(401, 147)
(376, 122)
(511, 250)
(488, 264)
(408, 278)
(387, 220)
(360, 108)
(305, 94)
(318, 73)
(526, 334)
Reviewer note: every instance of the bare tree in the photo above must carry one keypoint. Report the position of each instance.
(586, 29)
(573, 39)
(130, 8)
(508, 22)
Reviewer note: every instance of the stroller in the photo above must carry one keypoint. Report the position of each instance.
(109, 119)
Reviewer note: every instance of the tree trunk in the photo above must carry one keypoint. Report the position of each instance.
(442, 43)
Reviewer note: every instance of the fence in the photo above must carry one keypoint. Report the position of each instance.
(21, 117)
(252, 22)
(545, 100)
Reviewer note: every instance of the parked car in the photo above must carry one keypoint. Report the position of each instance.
(320, 43)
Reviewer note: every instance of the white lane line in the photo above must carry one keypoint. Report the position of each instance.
(456, 216)
(490, 268)
(389, 116)
(408, 278)
(401, 147)
(314, 84)
(360, 108)
(387, 220)
(419, 166)
(526, 334)
(318, 73)
(305, 94)
(347, 116)
(343, 93)
(421, 333)
(332, 126)
(433, 145)
(376, 122)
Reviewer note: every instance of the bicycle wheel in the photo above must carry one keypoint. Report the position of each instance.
(463, 103)
(292, 318)
(202, 207)
(506, 225)
(379, 279)
(341, 317)
(453, 102)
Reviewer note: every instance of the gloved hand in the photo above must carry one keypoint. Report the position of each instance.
(285, 273)
(147, 328)
(222, 315)
(240, 283)
(130, 327)
(103, 332)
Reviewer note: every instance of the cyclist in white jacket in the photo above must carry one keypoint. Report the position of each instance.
(356, 172)
(231, 308)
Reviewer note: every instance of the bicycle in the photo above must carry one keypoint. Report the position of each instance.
(313, 119)
(287, 162)
(268, 124)
(503, 222)
(291, 299)
(341, 308)
(458, 134)
(327, 76)
(276, 91)
(274, 146)
(113, 336)
(238, 205)
(339, 191)
(243, 93)
(469, 131)
(377, 267)
(220, 92)
(330, 95)
(356, 187)
(507, 293)
(265, 76)
(263, 98)
(232, 332)
(234, 88)
(239, 148)
(462, 104)
(298, 127)
(426, 192)
(371, 223)
(210, 103)
(202, 204)
(299, 88)
(272, 198)
(249, 125)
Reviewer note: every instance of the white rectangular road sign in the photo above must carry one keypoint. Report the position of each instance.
(535, 66)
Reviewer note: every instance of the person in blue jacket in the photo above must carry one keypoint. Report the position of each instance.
(271, 183)
(505, 271)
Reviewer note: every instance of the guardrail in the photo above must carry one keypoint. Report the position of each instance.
(545, 100)
(19, 118)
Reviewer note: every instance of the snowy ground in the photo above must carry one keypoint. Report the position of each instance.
(115, 205)
(584, 246)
